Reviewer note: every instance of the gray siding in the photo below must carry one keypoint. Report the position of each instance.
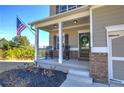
(105, 16)
(118, 70)
(52, 10)
(72, 33)
(118, 47)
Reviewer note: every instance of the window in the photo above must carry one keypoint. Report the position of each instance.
(64, 8)
(71, 7)
(79, 5)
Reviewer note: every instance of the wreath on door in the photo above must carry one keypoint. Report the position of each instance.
(84, 39)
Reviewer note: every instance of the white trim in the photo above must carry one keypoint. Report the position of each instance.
(74, 49)
(99, 50)
(110, 68)
(78, 43)
(59, 10)
(109, 58)
(115, 28)
(118, 58)
(118, 81)
(62, 17)
(91, 29)
(60, 43)
(75, 6)
(112, 28)
(36, 43)
(95, 49)
(81, 31)
(68, 9)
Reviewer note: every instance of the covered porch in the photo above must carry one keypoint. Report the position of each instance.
(65, 66)
(73, 21)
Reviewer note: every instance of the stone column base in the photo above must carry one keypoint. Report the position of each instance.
(99, 67)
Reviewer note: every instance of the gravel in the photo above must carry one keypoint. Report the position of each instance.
(32, 77)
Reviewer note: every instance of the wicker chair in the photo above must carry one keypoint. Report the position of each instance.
(49, 52)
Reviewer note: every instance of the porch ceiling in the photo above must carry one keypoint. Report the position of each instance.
(67, 18)
(71, 24)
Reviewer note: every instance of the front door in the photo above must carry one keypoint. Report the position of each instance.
(116, 56)
(84, 41)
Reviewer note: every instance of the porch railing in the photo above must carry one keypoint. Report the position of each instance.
(49, 52)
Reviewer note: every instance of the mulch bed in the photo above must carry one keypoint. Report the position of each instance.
(33, 77)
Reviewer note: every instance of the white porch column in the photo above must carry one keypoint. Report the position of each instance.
(60, 43)
(36, 43)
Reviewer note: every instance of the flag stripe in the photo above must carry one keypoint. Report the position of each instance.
(20, 26)
(20, 30)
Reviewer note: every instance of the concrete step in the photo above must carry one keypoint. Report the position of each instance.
(77, 65)
(79, 78)
(79, 72)
(79, 75)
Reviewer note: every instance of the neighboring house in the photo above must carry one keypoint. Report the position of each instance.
(94, 33)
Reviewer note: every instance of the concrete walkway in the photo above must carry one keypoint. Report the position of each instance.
(7, 65)
(74, 83)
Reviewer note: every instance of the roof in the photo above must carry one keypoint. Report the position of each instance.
(82, 8)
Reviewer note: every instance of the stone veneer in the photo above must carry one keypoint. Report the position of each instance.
(55, 53)
(74, 54)
(99, 67)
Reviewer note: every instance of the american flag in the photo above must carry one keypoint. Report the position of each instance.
(20, 26)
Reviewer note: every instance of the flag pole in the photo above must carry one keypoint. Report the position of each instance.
(26, 26)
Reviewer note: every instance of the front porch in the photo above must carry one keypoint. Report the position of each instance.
(65, 66)
(70, 24)
(70, 29)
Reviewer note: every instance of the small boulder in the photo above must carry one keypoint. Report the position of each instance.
(1, 82)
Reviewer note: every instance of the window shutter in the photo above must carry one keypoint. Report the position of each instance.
(54, 42)
(66, 40)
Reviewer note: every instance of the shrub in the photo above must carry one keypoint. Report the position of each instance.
(1, 53)
(19, 53)
(42, 53)
(17, 48)
(9, 54)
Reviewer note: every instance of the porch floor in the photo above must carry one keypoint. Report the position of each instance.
(67, 64)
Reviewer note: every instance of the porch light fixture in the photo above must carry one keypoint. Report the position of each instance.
(55, 26)
(75, 21)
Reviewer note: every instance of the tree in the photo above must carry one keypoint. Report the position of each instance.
(4, 44)
(11, 44)
(19, 42)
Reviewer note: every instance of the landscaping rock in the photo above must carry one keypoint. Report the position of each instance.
(33, 77)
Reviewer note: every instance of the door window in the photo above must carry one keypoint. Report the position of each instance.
(84, 40)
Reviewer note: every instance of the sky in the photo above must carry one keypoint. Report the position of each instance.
(27, 13)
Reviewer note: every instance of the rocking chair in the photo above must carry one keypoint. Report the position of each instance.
(49, 52)
(66, 52)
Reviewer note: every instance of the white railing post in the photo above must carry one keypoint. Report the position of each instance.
(91, 29)
(36, 43)
(60, 43)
